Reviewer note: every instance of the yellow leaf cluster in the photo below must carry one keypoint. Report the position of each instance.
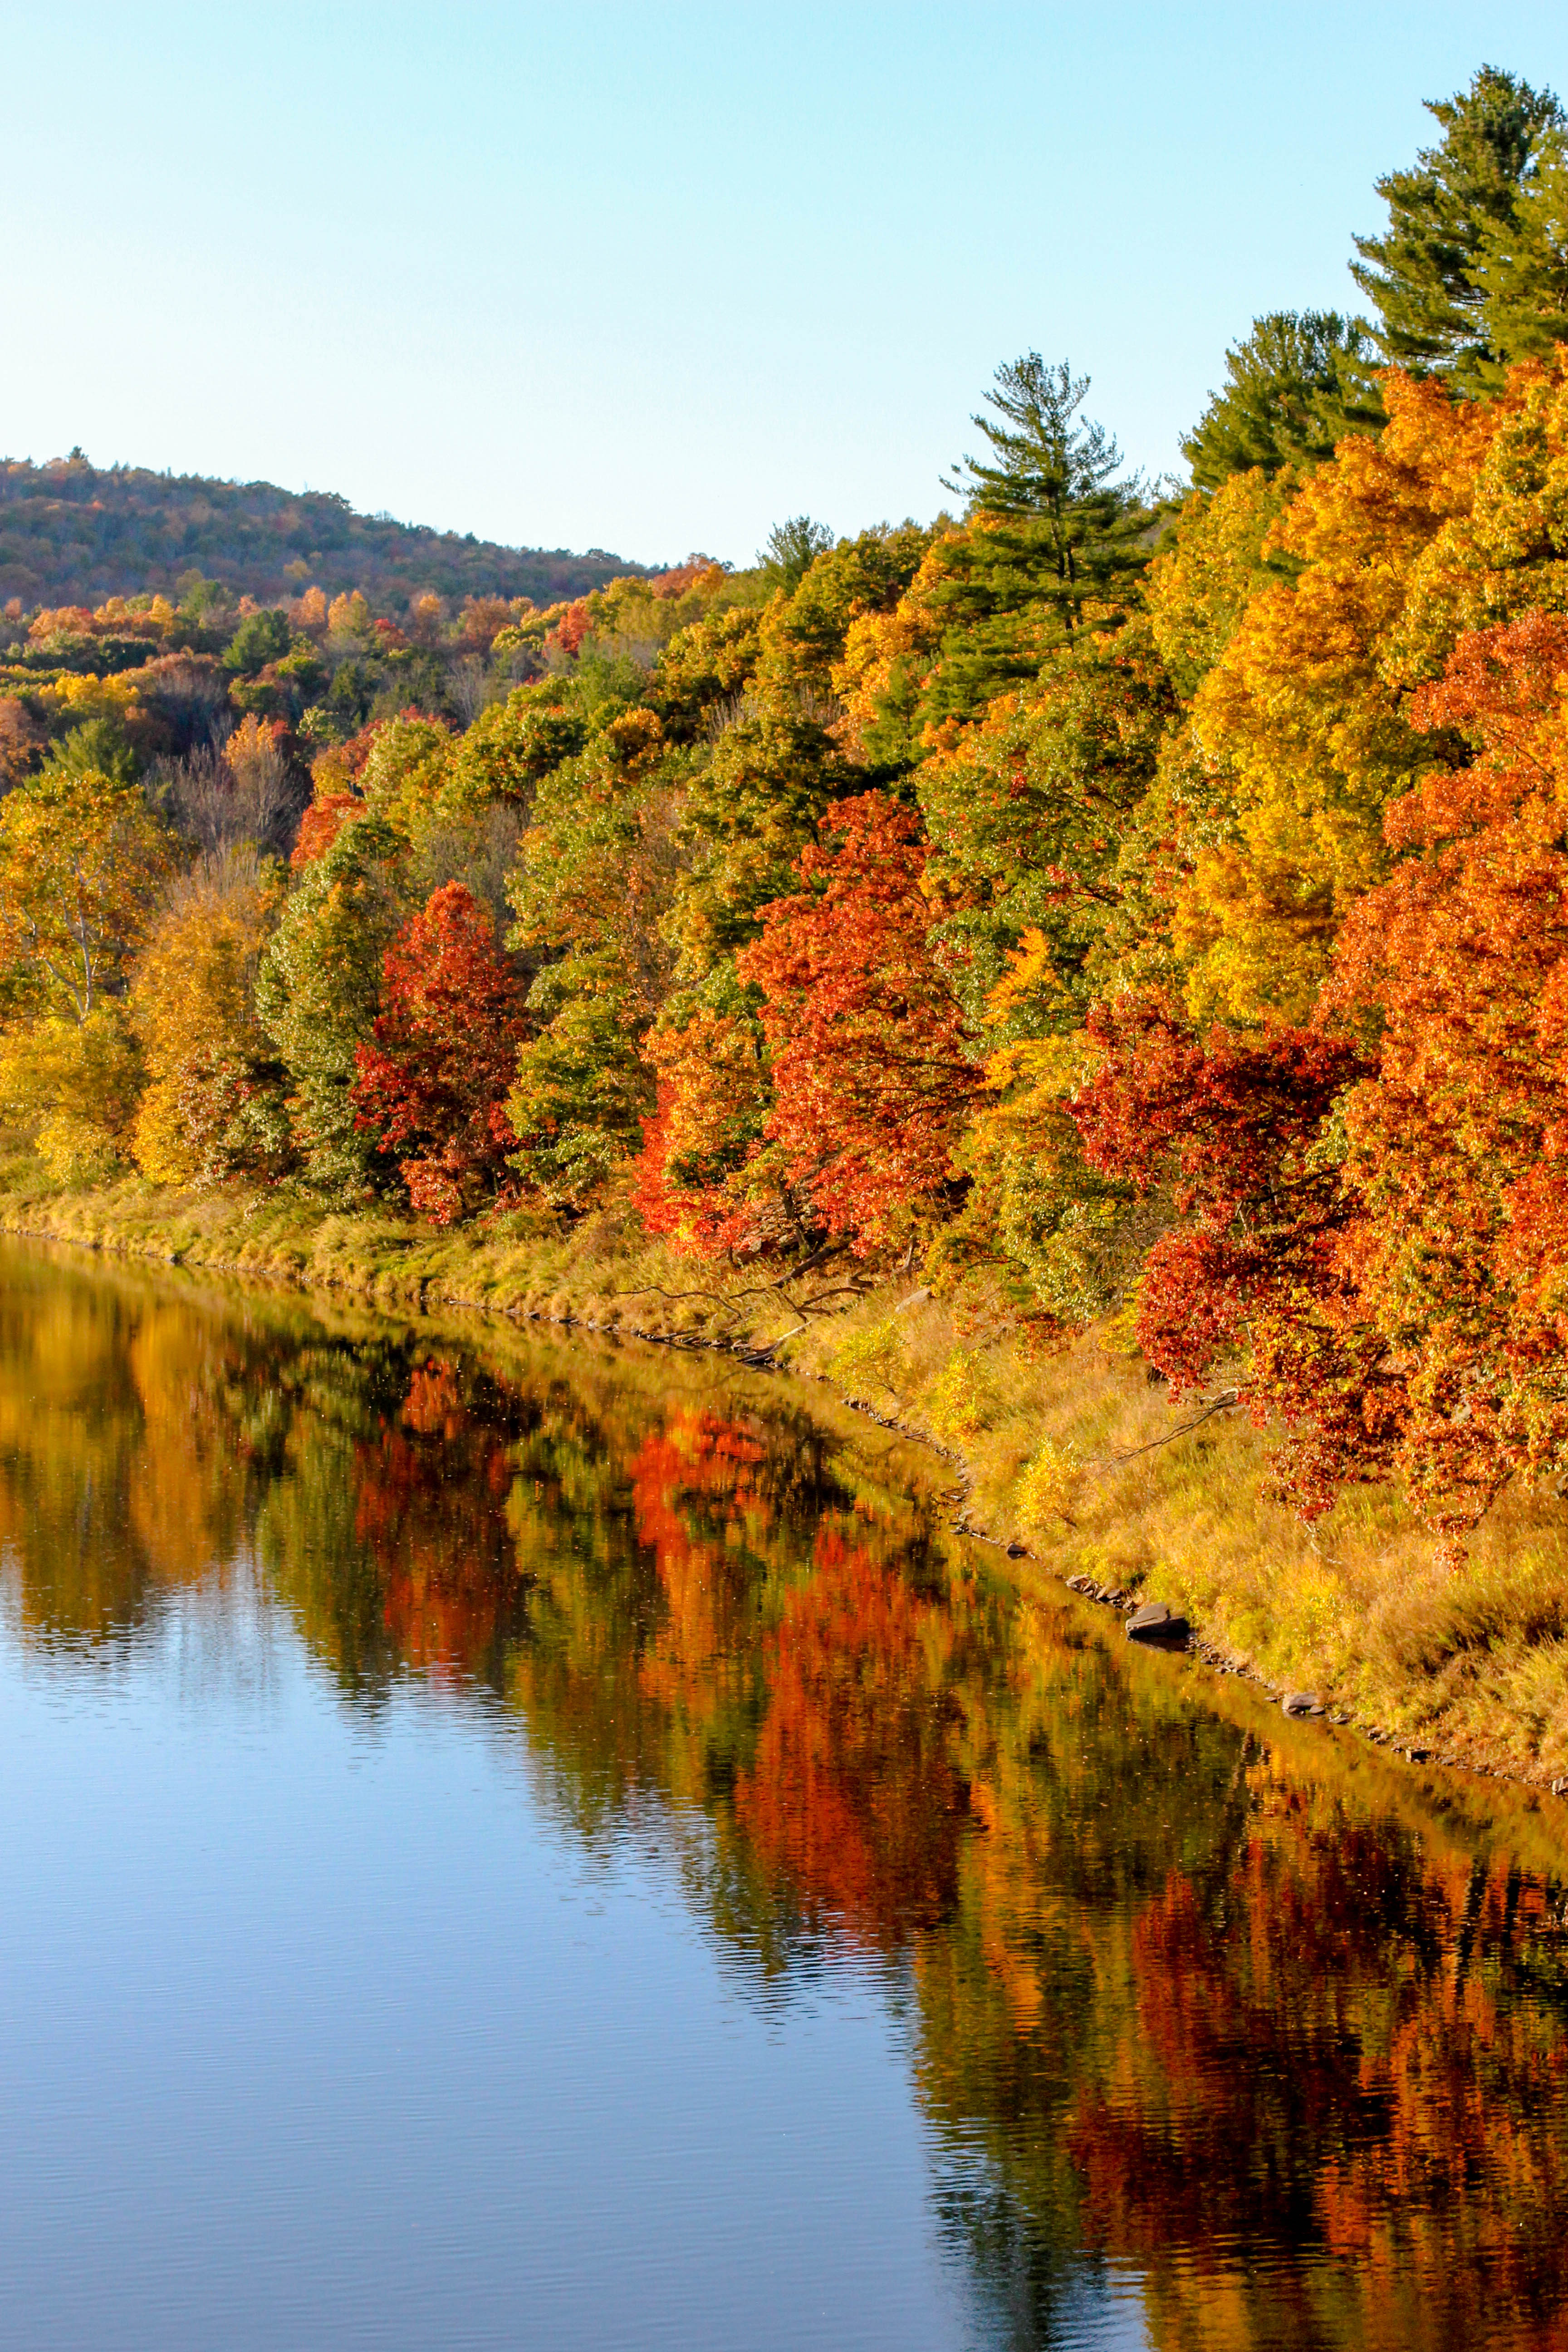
(348, 617)
(1198, 591)
(1456, 517)
(877, 645)
(193, 1002)
(82, 860)
(70, 1087)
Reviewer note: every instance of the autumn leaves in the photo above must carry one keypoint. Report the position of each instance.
(1108, 906)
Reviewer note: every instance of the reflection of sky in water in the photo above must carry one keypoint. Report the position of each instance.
(324, 2030)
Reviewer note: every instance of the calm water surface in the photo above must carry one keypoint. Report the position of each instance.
(510, 1843)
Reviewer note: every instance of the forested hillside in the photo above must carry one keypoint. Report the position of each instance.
(1114, 907)
(72, 533)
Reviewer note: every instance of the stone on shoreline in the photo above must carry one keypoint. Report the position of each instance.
(1155, 1622)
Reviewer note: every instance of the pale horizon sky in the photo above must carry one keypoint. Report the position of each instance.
(652, 279)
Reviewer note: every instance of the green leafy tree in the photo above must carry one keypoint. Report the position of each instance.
(803, 638)
(202, 618)
(1424, 276)
(285, 689)
(707, 664)
(1294, 387)
(509, 748)
(318, 992)
(1026, 815)
(1031, 816)
(260, 639)
(747, 814)
(590, 893)
(582, 1091)
(97, 747)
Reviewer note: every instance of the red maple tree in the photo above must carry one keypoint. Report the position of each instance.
(1230, 1126)
(1373, 1211)
(871, 1069)
(321, 825)
(432, 1088)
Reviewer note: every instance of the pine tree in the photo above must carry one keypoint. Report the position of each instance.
(1297, 384)
(1424, 275)
(1523, 271)
(1050, 486)
(792, 548)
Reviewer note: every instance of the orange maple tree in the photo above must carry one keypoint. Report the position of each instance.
(1458, 1143)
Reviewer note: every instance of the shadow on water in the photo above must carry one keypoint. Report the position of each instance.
(1195, 1999)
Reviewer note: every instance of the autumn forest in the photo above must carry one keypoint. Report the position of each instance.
(1115, 899)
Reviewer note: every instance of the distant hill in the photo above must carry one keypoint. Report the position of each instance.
(73, 533)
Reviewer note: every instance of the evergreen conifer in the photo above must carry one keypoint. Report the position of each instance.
(1297, 384)
(1424, 277)
(1049, 487)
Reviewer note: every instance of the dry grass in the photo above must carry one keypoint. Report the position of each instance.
(602, 1271)
(1080, 1458)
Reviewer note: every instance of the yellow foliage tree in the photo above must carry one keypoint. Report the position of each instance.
(194, 1005)
(1454, 518)
(70, 1088)
(888, 658)
(348, 618)
(1197, 592)
(82, 861)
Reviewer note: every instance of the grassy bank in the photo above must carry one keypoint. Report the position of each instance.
(1073, 1455)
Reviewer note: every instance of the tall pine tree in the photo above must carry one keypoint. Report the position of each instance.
(1524, 264)
(1425, 276)
(1050, 484)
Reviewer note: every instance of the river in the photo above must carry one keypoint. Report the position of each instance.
(512, 1842)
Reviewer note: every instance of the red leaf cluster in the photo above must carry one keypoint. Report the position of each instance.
(320, 826)
(433, 1087)
(1230, 1126)
(1458, 1144)
(871, 1070)
(1216, 1119)
(570, 631)
(1375, 1209)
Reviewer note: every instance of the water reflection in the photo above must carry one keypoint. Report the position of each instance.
(1212, 2010)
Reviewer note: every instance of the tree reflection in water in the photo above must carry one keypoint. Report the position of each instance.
(1189, 1993)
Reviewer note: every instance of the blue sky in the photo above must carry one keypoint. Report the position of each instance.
(651, 277)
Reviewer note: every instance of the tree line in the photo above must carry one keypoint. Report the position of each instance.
(1113, 901)
(72, 532)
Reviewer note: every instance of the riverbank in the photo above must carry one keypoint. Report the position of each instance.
(1071, 1457)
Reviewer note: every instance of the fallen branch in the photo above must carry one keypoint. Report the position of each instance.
(835, 1290)
(767, 1346)
(1226, 1404)
(719, 1297)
